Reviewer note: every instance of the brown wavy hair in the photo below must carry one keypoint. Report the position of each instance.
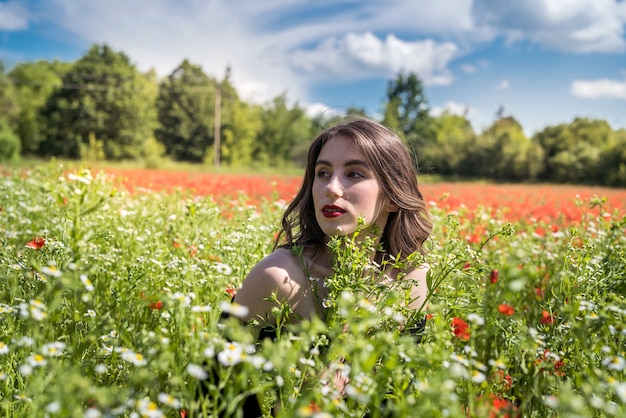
(406, 230)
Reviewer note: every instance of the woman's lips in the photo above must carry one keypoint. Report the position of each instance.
(332, 211)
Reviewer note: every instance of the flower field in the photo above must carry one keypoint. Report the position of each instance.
(112, 285)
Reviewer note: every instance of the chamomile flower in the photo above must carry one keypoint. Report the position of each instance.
(23, 398)
(149, 409)
(135, 358)
(616, 363)
(234, 308)
(201, 308)
(231, 354)
(169, 400)
(4, 349)
(183, 299)
(37, 360)
(25, 369)
(86, 282)
(54, 349)
(476, 319)
(224, 269)
(93, 413)
(478, 377)
(197, 371)
(51, 271)
(85, 178)
(53, 407)
(100, 368)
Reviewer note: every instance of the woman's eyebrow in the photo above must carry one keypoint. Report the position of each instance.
(347, 163)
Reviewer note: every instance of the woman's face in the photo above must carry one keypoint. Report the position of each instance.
(345, 188)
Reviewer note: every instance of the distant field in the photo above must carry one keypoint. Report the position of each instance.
(549, 203)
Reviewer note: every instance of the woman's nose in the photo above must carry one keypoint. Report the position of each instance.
(334, 187)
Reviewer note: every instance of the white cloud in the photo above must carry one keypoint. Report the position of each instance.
(13, 16)
(470, 69)
(503, 85)
(471, 113)
(263, 43)
(320, 109)
(213, 34)
(278, 46)
(580, 26)
(365, 55)
(454, 108)
(603, 88)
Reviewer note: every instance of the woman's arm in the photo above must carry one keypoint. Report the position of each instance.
(279, 273)
(419, 287)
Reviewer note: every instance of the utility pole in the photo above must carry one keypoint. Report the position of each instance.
(218, 123)
(218, 118)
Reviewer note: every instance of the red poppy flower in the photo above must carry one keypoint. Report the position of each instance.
(546, 318)
(558, 367)
(460, 329)
(503, 379)
(506, 309)
(231, 291)
(36, 243)
(495, 274)
(539, 292)
(156, 305)
(501, 407)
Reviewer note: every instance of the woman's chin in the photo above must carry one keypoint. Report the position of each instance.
(339, 231)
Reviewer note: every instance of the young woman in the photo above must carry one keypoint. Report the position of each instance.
(355, 170)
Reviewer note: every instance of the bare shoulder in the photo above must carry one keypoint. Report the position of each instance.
(418, 273)
(419, 285)
(280, 273)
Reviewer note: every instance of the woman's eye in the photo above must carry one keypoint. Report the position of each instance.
(355, 174)
(322, 173)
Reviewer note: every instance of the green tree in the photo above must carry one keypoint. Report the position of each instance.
(35, 82)
(406, 111)
(453, 134)
(239, 134)
(613, 161)
(283, 128)
(186, 112)
(502, 151)
(9, 143)
(9, 105)
(103, 95)
(573, 151)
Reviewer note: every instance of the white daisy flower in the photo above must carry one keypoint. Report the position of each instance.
(231, 354)
(169, 400)
(135, 358)
(223, 269)
(197, 371)
(614, 363)
(86, 282)
(236, 309)
(54, 349)
(37, 360)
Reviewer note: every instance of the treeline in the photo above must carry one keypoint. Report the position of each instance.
(101, 107)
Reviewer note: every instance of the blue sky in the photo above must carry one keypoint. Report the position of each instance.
(544, 61)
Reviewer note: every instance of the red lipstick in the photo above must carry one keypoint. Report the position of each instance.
(332, 211)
